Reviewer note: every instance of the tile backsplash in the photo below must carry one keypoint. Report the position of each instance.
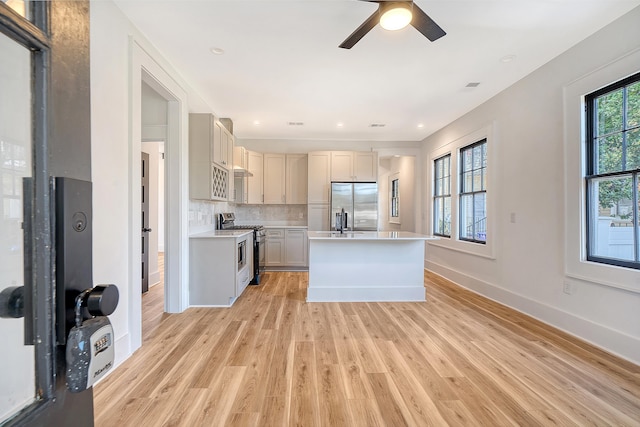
(202, 214)
(272, 214)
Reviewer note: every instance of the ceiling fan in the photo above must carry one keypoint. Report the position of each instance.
(394, 15)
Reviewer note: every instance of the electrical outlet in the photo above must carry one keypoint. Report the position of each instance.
(567, 288)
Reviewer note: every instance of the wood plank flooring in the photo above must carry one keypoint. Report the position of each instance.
(274, 360)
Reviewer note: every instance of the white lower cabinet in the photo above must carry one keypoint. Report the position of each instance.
(295, 243)
(318, 217)
(286, 247)
(215, 276)
(275, 248)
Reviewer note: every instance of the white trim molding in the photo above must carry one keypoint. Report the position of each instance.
(576, 265)
(486, 250)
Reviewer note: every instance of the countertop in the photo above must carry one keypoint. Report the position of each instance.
(368, 235)
(285, 226)
(221, 234)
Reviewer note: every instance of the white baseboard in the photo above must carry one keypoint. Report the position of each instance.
(154, 278)
(611, 340)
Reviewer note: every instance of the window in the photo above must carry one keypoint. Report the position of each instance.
(473, 192)
(395, 199)
(613, 173)
(442, 196)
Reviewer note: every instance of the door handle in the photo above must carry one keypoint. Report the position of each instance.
(146, 230)
(12, 302)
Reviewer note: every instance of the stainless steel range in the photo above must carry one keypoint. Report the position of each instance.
(227, 222)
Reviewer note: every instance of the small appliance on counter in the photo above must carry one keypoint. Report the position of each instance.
(226, 221)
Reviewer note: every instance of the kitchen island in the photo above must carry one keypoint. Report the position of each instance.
(366, 266)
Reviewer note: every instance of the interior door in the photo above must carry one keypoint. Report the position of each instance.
(145, 221)
(44, 132)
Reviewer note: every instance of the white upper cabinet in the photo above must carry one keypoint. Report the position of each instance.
(365, 166)
(254, 182)
(274, 179)
(296, 179)
(285, 179)
(207, 179)
(319, 182)
(222, 146)
(342, 166)
(354, 166)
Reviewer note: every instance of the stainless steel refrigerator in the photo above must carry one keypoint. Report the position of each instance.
(359, 201)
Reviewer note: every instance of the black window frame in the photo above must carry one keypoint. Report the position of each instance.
(437, 230)
(473, 193)
(395, 198)
(591, 172)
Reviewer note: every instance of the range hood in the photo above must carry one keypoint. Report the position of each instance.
(240, 171)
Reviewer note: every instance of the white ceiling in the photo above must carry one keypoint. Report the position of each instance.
(282, 62)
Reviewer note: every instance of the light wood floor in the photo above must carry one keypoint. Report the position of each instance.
(274, 360)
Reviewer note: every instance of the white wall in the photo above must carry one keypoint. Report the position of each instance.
(403, 168)
(111, 35)
(528, 132)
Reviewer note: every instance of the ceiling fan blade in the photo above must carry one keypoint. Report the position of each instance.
(360, 32)
(426, 25)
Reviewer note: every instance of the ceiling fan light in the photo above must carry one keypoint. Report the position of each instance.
(396, 18)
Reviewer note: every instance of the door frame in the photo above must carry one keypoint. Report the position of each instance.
(144, 68)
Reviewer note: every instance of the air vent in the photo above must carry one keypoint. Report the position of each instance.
(377, 125)
(473, 84)
(295, 123)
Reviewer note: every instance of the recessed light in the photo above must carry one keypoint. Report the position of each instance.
(507, 58)
(256, 122)
(216, 50)
(420, 125)
(340, 125)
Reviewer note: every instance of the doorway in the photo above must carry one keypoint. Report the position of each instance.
(145, 70)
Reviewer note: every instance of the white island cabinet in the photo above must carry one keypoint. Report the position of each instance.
(366, 266)
(220, 267)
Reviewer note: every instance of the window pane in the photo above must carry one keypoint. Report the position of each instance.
(447, 216)
(446, 166)
(609, 113)
(633, 105)
(466, 217)
(439, 190)
(484, 155)
(633, 149)
(466, 160)
(17, 373)
(467, 182)
(438, 169)
(446, 185)
(611, 220)
(477, 157)
(610, 154)
(477, 180)
(480, 217)
(20, 6)
(438, 215)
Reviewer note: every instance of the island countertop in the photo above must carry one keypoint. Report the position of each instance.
(368, 235)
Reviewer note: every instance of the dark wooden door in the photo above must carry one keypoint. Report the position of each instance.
(145, 222)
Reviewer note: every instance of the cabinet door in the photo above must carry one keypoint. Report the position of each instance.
(230, 152)
(318, 217)
(216, 144)
(296, 247)
(342, 166)
(319, 181)
(274, 247)
(274, 179)
(296, 179)
(200, 155)
(365, 166)
(254, 183)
